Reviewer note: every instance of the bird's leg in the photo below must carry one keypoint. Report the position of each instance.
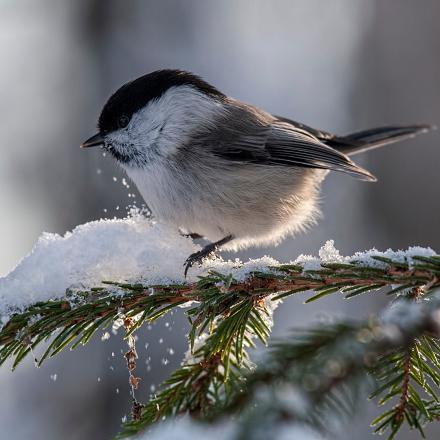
(192, 235)
(209, 249)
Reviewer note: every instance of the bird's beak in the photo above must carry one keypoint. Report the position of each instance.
(95, 141)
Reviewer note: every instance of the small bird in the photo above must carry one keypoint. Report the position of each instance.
(217, 168)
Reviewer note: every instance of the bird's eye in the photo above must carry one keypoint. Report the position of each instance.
(123, 121)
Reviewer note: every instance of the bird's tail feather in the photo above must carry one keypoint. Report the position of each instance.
(361, 141)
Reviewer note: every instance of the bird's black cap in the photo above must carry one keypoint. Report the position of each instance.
(135, 94)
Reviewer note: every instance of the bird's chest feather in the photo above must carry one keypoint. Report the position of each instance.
(166, 193)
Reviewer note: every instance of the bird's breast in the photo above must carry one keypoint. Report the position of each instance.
(258, 204)
(166, 195)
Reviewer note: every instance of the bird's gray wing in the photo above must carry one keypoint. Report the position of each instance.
(319, 134)
(280, 143)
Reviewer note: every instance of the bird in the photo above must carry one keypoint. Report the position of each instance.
(218, 168)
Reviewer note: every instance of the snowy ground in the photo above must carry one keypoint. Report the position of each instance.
(132, 249)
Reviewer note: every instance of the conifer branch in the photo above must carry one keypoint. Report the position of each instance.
(210, 373)
(327, 366)
(233, 312)
(82, 313)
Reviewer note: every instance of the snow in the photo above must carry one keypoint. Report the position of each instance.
(116, 250)
(404, 313)
(398, 256)
(329, 254)
(242, 270)
(199, 342)
(403, 316)
(138, 250)
(131, 249)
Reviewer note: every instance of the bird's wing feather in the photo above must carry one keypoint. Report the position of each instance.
(281, 143)
(319, 134)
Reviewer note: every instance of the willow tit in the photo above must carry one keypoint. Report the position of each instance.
(222, 169)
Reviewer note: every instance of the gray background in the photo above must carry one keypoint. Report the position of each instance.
(340, 65)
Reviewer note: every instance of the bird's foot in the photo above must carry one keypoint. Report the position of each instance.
(208, 251)
(199, 257)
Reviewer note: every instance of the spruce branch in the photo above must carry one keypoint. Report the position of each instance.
(411, 375)
(210, 373)
(82, 313)
(232, 312)
(327, 366)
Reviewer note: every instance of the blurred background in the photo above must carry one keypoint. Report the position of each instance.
(341, 66)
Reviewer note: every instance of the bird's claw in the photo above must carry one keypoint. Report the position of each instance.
(197, 258)
(208, 251)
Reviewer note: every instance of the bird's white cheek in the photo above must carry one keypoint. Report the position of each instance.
(148, 140)
(119, 137)
(156, 141)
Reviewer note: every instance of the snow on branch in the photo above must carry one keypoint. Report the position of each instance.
(136, 250)
(58, 293)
